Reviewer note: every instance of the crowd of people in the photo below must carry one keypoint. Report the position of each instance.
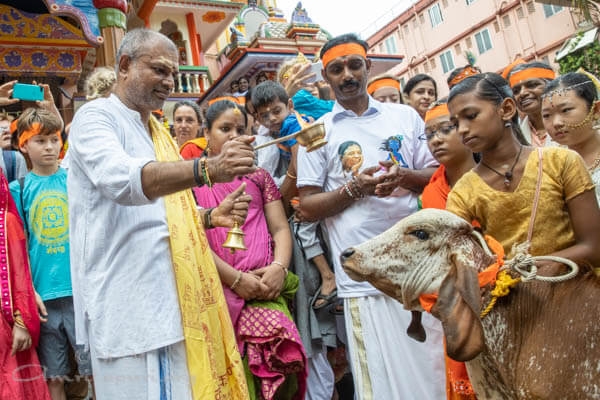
(116, 267)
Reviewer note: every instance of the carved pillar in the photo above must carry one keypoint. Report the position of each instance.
(112, 15)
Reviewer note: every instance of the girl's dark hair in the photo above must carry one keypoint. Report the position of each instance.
(218, 108)
(580, 83)
(415, 80)
(187, 103)
(489, 87)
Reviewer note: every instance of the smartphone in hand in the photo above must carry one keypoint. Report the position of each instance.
(316, 69)
(24, 91)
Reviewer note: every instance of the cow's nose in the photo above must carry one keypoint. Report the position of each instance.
(347, 253)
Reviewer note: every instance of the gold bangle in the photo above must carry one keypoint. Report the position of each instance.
(237, 281)
(281, 265)
(290, 175)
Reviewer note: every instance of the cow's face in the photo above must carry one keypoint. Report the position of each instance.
(413, 256)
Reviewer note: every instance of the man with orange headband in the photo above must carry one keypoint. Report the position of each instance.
(359, 203)
(385, 88)
(527, 81)
(41, 199)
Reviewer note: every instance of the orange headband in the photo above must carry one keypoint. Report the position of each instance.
(467, 71)
(230, 98)
(531, 73)
(510, 66)
(342, 50)
(35, 130)
(436, 112)
(13, 126)
(383, 82)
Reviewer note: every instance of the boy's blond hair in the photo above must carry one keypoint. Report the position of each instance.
(100, 83)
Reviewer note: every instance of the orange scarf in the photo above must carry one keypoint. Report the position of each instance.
(436, 192)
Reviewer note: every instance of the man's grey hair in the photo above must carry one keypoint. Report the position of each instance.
(137, 40)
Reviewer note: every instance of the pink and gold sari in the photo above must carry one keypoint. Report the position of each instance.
(267, 336)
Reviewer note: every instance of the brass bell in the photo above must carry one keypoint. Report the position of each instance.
(235, 239)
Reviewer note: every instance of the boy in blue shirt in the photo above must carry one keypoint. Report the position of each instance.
(42, 204)
(275, 110)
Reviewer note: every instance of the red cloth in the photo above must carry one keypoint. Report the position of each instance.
(21, 376)
(193, 148)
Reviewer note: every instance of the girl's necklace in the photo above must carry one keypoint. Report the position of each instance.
(508, 175)
(595, 164)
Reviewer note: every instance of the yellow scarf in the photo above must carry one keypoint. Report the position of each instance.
(214, 363)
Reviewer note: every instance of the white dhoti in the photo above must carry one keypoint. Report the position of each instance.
(386, 363)
(321, 380)
(157, 375)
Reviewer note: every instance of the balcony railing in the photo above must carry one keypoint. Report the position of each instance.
(192, 80)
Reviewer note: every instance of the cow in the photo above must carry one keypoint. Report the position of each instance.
(541, 341)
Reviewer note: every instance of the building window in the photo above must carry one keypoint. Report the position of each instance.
(435, 15)
(426, 67)
(469, 43)
(496, 27)
(484, 42)
(530, 7)
(457, 48)
(520, 13)
(551, 9)
(432, 63)
(470, 2)
(390, 45)
(421, 19)
(447, 61)
(406, 30)
(506, 21)
(402, 82)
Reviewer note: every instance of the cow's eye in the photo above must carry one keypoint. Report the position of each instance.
(420, 234)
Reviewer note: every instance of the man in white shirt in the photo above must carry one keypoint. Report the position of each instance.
(124, 263)
(362, 182)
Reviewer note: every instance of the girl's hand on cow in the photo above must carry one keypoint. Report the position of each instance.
(233, 208)
(250, 287)
(273, 276)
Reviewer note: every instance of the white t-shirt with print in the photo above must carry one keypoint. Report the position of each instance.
(380, 129)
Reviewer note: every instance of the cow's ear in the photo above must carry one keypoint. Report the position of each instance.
(458, 308)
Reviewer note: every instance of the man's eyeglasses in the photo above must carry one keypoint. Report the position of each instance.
(443, 130)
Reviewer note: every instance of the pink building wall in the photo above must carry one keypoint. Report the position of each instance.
(514, 28)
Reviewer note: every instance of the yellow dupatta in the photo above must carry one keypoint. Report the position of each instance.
(214, 362)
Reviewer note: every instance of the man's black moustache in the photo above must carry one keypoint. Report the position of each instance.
(349, 83)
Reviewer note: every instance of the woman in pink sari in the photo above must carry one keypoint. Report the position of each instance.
(256, 281)
(21, 376)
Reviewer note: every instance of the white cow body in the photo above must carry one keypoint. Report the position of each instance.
(542, 341)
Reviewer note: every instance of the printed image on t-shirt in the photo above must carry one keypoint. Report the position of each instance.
(351, 156)
(392, 145)
(49, 217)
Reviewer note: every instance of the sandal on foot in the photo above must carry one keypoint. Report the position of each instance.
(329, 299)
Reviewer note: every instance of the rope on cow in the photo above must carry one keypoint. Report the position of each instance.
(504, 282)
(523, 264)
